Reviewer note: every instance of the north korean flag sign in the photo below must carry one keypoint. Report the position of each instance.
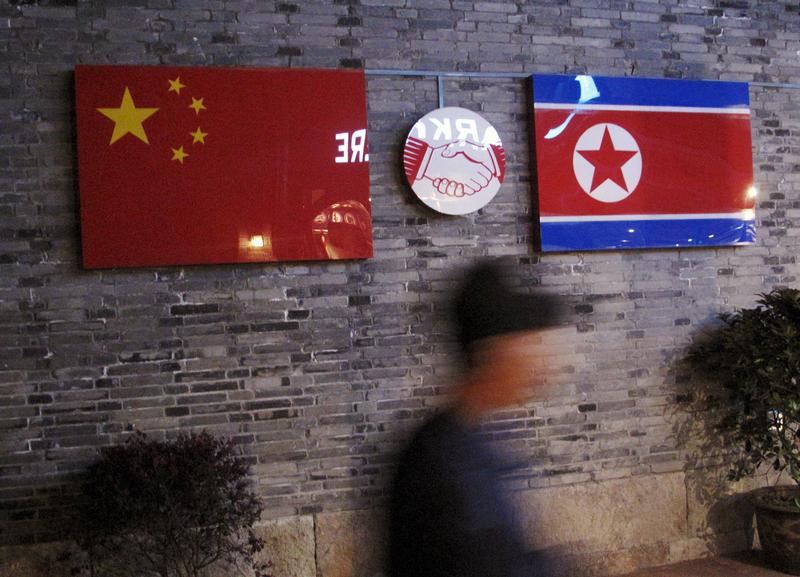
(221, 165)
(635, 162)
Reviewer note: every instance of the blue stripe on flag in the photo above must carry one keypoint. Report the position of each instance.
(622, 91)
(624, 234)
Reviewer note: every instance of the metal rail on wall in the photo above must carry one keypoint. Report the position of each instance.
(440, 75)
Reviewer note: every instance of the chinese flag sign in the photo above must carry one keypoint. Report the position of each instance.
(212, 165)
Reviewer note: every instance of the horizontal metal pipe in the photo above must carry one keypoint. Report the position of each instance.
(443, 73)
(436, 73)
(775, 84)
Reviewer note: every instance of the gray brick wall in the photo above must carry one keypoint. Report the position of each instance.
(320, 370)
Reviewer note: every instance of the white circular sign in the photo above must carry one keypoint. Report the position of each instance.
(454, 160)
(607, 162)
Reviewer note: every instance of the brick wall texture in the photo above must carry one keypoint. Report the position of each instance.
(320, 370)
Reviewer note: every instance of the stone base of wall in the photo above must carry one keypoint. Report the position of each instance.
(591, 529)
(618, 526)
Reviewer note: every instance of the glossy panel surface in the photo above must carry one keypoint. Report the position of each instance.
(212, 165)
(637, 163)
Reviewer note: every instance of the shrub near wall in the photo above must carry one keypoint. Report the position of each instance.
(319, 370)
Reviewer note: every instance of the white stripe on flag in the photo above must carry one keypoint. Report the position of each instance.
(741, 215)
(635, 108)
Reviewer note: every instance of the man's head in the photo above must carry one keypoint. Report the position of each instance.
(486, 306)
(500, 330)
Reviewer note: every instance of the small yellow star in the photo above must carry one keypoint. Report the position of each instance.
(178, 154)
(175, 85)
(199, 136)
(197, 104)
(127, 118)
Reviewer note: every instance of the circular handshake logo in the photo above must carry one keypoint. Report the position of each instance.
(454, 160)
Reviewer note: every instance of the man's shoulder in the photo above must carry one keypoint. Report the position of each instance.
(438, 443)
(442, 428)
(425, 470)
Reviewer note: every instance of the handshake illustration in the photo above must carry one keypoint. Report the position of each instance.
(458, 168)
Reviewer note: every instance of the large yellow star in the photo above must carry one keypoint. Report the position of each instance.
(175, 85)
(197, 104)
(127, 118)
(178, 154)
(199, 136)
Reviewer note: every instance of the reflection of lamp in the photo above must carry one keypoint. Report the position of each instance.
(589, 89)
(255, 247)
(752, 193)
(589, 92)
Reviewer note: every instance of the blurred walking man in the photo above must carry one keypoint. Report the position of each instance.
(448, 516)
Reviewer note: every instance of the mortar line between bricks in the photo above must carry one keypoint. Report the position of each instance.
(441, 73)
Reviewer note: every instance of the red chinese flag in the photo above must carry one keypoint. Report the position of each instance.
(215, 165)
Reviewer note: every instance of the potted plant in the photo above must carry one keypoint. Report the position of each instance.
(168, 509)
(755, 356)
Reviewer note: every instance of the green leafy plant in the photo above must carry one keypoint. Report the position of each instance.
(169, 509)
(755, 356)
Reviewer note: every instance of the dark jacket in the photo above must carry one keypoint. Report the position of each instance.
(448, 517)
